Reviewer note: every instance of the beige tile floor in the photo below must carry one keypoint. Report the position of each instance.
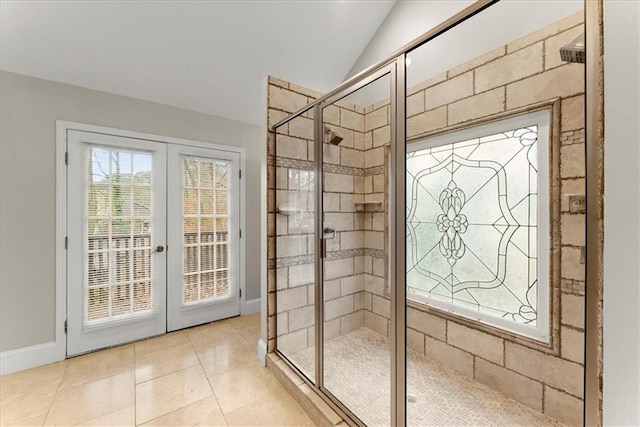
(207, 375)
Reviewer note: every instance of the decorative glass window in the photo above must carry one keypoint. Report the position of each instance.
(478, 221)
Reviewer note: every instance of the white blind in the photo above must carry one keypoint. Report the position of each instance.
(206, 226)
(118, 235)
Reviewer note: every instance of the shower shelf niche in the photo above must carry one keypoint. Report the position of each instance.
(291, 209)
(373, 206)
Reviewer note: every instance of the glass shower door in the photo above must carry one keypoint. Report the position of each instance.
(356, 134)
(294, 182)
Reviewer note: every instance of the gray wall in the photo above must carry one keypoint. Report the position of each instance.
(409, 19)
(29, 109)
(621, 317)
(406, 21)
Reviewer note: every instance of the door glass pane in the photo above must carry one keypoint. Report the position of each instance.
(495, 138)
(119, 216)
(205, 222)
(357, 362)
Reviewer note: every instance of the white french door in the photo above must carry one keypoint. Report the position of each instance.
(204, 229)
(116, 222)
(153, 238)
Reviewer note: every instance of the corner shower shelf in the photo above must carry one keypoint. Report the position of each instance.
(369, 207)
(289, 209)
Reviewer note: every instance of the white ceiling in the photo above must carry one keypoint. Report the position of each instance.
(206, 56)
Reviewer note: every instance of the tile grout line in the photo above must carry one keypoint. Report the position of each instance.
(159, 349)
(56, 393)
(135, 388)
(165, 375)
(254, 401)
(135, 385)
(213, 393)
(175, 410)
(236, 330)
(103, 415)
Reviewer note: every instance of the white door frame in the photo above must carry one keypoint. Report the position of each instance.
(62, 128)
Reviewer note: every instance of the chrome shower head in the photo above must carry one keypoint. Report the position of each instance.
(574, 51)
(332, 137)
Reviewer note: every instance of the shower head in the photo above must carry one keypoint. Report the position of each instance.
(574, 51)
(331, 137)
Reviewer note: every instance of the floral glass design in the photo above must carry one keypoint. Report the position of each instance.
(472, 224)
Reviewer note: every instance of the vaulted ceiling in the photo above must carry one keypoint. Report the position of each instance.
(206, 56)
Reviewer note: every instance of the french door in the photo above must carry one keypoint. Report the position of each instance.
(204, 228)
(153, 238)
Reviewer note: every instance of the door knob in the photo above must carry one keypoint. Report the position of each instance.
(159, 248)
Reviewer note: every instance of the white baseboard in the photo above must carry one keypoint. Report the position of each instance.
(250, 306)
(43, 354)
(30, 357)
(262, 352)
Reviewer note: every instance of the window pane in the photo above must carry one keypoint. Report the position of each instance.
(205, 222)
(119, 213)
(141, 296)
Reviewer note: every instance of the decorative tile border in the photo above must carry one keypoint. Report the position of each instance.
(294, 163)
(375, 170)
(344, 170)
(575, 287)
(308, 259)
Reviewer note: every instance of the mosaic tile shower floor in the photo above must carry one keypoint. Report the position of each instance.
(357, 372)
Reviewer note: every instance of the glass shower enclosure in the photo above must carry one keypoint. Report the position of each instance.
(427, 262)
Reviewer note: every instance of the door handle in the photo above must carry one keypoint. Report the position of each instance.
(159, 249)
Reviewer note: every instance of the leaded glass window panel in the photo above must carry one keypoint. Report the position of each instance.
(477, 215)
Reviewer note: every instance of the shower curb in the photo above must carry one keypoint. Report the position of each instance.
(312, 404)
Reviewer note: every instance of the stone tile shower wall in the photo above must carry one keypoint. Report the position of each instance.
(291, 181)
(296, 155)
(377, 140)
(343, 189)
(523, 72)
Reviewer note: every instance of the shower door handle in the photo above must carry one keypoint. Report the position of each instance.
(328, 230)
(323, 248)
